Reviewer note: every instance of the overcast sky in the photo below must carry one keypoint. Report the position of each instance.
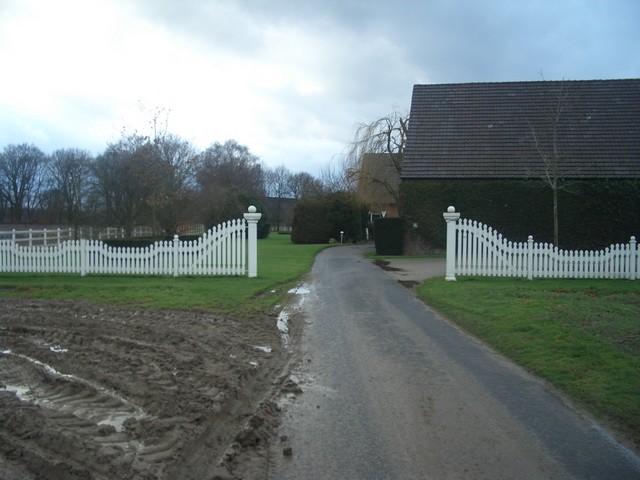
(287, 78)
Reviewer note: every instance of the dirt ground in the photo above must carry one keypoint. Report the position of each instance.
(98, 392)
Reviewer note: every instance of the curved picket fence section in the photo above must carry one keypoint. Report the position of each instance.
(473, 248)
(222, 250)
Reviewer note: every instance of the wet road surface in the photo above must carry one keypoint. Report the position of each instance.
(392, 391)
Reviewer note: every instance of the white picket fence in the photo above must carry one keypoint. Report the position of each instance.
(49, 236)
(475, 249)
(228, 249)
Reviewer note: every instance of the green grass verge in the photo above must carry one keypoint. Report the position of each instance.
(280, 265)
(581, 335)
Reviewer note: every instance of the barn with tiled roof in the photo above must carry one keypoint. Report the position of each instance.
(485, 130)
(480, 146)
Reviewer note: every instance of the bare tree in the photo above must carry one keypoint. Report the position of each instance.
(181, 156)
(69, 176)
(227, 175)
(277, 183)
(336, 177)
(384, 136)
(547, 142)
(21, 179)
(121, 183)
(231, 165)
(4, 205)
(168, 171)
(170, 180)
(304, 185)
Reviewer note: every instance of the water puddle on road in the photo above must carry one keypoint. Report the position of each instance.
(283, 326)
(300, 292)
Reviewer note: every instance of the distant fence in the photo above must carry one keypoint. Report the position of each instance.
(281, 228)
(475, 249)
(48, 236)
(228, 249)
(197, 229)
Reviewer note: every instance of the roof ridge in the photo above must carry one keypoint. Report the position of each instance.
(509, 82)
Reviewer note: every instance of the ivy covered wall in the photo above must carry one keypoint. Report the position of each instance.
(592, 214)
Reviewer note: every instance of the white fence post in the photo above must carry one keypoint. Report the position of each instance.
(83, 257)
(530, 258)
(176, 255)
(451, 217)
(633, 259)
(252, 220)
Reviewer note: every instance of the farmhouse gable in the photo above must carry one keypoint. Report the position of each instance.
(378, 183)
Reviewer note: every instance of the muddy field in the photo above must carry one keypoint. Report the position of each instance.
(97, 392)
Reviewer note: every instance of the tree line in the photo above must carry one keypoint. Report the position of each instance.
(163, 181)
(159, 180)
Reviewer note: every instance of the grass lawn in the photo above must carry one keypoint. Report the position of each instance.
(581, 335)
(280, 264)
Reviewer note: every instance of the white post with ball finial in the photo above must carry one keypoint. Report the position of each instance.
(252, 222)
(451, 217)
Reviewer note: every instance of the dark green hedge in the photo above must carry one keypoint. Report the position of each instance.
(310, 222)
(320, 219)
(592, 214)
(140, 242)
(389, 236)
(143, 242)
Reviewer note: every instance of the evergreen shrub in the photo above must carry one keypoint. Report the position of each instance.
(320, 219)
(389, 236)
(138, 242)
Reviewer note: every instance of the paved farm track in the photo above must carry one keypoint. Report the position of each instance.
(391, 390)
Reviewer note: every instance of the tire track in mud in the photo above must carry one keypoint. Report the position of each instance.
(100, 392)
(67, 393)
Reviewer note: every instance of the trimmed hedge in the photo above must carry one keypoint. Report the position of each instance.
(310, 222)
(138, 242)
(592, 214)
(389, 236)
(320, 219)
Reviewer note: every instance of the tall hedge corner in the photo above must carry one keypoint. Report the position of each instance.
(389, 236)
